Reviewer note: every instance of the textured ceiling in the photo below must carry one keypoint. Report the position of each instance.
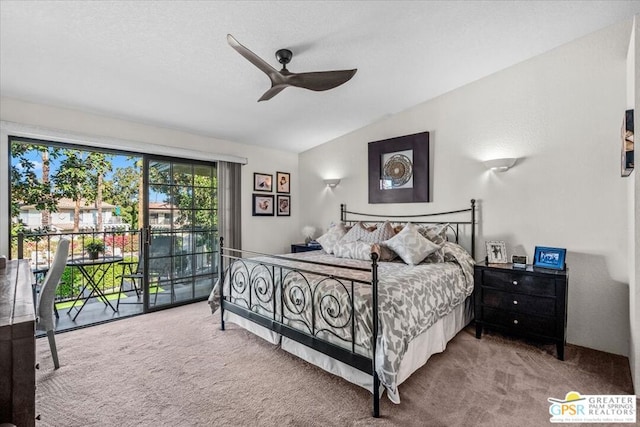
(168, 63)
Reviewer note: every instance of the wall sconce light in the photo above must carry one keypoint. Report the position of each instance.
(332, 183)
(500, 165)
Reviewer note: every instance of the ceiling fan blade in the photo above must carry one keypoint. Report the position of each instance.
(320, 80)
(272, 92)
(251, 57)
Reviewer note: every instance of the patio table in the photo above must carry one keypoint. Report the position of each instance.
(94, 278)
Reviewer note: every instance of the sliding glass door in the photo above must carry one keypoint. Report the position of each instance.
(181, 230)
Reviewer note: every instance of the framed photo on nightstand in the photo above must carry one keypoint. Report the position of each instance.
(552, 258)
(496, 252)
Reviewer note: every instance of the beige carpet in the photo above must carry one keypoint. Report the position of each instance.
(177, 368)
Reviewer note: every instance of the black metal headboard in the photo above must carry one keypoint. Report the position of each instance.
(350, 217)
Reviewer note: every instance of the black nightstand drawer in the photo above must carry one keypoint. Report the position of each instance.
(520, 303)
(517, 282)
(520, 322)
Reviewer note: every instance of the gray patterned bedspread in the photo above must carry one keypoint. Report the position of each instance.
(410, 299)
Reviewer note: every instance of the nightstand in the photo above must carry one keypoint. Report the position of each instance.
(303, 247)
(529, 302)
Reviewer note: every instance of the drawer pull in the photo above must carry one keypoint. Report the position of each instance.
(515, 322)
(515, 282)
(515, 302)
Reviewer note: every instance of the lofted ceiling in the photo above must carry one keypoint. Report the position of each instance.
(167, 63)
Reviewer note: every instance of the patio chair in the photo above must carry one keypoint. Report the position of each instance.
(134, 276)
(45, 321)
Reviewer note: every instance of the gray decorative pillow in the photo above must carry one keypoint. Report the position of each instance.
(437, 233)
(359, 233)
(435, 257)
(355, 233)
(411, 246)
(329, 239)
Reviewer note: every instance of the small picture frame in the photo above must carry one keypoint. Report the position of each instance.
(263, 205)
(262, 182)
(496, 252)
(546, 257)
(627, 144)
(283, 182)
(284, 205)
(519, 261)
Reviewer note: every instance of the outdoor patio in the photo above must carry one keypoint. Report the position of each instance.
(95, 311)
(174, 278)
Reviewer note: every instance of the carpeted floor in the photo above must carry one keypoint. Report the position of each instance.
(176, 368)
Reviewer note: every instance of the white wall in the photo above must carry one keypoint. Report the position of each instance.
(268, 234)
(559, 113)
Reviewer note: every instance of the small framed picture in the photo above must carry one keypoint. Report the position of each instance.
(283, 180)
(519, 261)
(262, 205)
(546, 257)
(284, 205)
(627, 143)
(262, 182)
(496, 252)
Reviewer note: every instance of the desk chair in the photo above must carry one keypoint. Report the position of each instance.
(44, 312)
(39, 274)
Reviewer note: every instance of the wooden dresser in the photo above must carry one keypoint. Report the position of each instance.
(528, 302)
(17, 345)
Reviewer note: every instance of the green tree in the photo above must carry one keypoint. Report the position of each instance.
(26, 186)
(99, 164)
(72, 180)
(122, 190)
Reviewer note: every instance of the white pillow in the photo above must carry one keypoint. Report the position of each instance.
(329, 239)
(411, 246)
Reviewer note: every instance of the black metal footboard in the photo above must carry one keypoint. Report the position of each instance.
(323, 311)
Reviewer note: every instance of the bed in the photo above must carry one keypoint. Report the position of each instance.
(321, 305)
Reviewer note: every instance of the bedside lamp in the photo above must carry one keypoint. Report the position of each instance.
(500, 165)
(332, 183)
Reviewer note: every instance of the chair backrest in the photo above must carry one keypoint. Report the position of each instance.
(140, 266)
(49, 285)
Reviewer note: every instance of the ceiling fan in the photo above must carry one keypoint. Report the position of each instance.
(318, 81)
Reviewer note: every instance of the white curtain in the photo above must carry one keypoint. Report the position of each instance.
(229, 227)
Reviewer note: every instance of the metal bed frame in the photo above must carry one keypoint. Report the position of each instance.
(268, 279)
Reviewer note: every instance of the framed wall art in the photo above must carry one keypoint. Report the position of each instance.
(399, 169)
(627, 144)
(263, 205)
(546, 257)
(496, 252)
(283, 182)
(284, 205)
(262, 182)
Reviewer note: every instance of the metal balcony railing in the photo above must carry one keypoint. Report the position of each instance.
(39, 248)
